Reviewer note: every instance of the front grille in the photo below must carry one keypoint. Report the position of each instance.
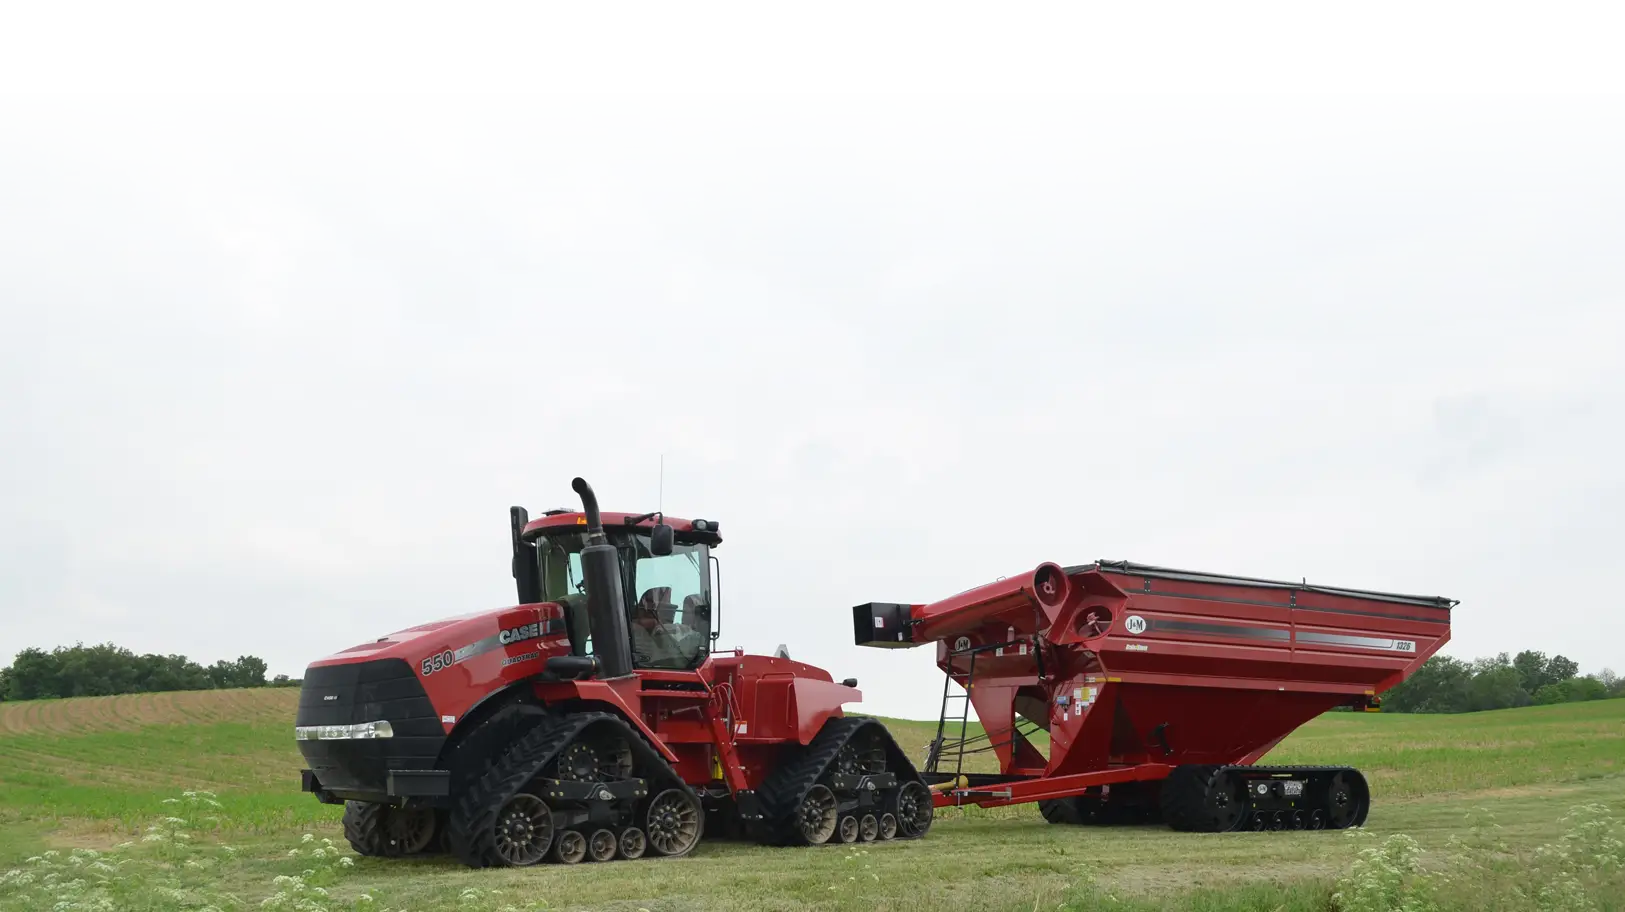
(379, 690)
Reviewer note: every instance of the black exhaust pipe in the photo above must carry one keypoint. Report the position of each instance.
(606, 600)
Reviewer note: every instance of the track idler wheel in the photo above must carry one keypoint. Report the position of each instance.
(816, 817)
(888, 826)
(848, 829)
(408, 831)
(524, 830)
(570, 847)
(1348, 800)
(674, 822)
(914, 809)
(633, 843)
(602, 845)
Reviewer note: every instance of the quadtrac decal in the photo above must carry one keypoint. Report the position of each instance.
(515, 660)
(507, 637)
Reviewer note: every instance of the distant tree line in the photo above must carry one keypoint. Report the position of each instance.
(105, 669)
(1446, 685)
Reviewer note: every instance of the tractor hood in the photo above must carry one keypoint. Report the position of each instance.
(471, 649)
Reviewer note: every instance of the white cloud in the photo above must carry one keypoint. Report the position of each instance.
(280, 364)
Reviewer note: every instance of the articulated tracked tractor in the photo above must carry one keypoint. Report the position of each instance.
(1118, 692)
(579, 725)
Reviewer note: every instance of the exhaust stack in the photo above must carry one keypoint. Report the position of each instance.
(606, 601)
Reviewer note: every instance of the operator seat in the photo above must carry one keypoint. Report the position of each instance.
(657, 601)
(691, 610)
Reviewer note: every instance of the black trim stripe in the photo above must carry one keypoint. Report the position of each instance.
(1234, 601)
(1148, 572)
(1255, 633)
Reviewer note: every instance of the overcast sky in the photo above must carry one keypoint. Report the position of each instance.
(277, 357)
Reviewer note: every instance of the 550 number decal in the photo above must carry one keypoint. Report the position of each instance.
(437, 662)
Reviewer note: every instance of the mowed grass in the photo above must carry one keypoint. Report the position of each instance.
(94, 772)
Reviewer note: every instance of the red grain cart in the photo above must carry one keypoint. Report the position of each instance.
(1157, 690)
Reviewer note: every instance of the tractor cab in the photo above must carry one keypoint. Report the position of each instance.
(665, 570)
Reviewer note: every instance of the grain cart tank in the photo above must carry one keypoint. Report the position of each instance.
(1117, 692)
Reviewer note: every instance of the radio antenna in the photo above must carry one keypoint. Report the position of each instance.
(660, 500)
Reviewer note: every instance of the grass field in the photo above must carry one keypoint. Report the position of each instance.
(86, 775)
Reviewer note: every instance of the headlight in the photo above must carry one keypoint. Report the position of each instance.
(357, 731)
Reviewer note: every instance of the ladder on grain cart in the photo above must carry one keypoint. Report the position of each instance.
(944, 751)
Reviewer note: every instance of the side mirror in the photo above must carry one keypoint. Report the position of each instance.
(660, 540)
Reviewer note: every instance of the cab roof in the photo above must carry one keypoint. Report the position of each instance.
(694, 530)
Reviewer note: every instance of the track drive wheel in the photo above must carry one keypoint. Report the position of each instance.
(1203, 799)
(675, 822)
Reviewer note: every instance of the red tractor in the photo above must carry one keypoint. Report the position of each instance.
(580, 725)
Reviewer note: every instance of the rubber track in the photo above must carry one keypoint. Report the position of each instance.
(473, 817)
(480, 749)
(1061, 810)
(781, 794)
(364, 826)
(1176, 806)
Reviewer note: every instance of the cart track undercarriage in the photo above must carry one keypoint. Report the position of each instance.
(1222, 799)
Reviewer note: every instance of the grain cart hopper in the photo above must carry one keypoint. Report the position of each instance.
(1156, 690)
(578, 724)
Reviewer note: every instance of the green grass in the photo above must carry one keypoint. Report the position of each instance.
(95, 789)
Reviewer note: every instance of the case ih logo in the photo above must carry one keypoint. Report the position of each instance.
(519, 634)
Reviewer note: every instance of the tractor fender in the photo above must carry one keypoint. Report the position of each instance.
(485, 731)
